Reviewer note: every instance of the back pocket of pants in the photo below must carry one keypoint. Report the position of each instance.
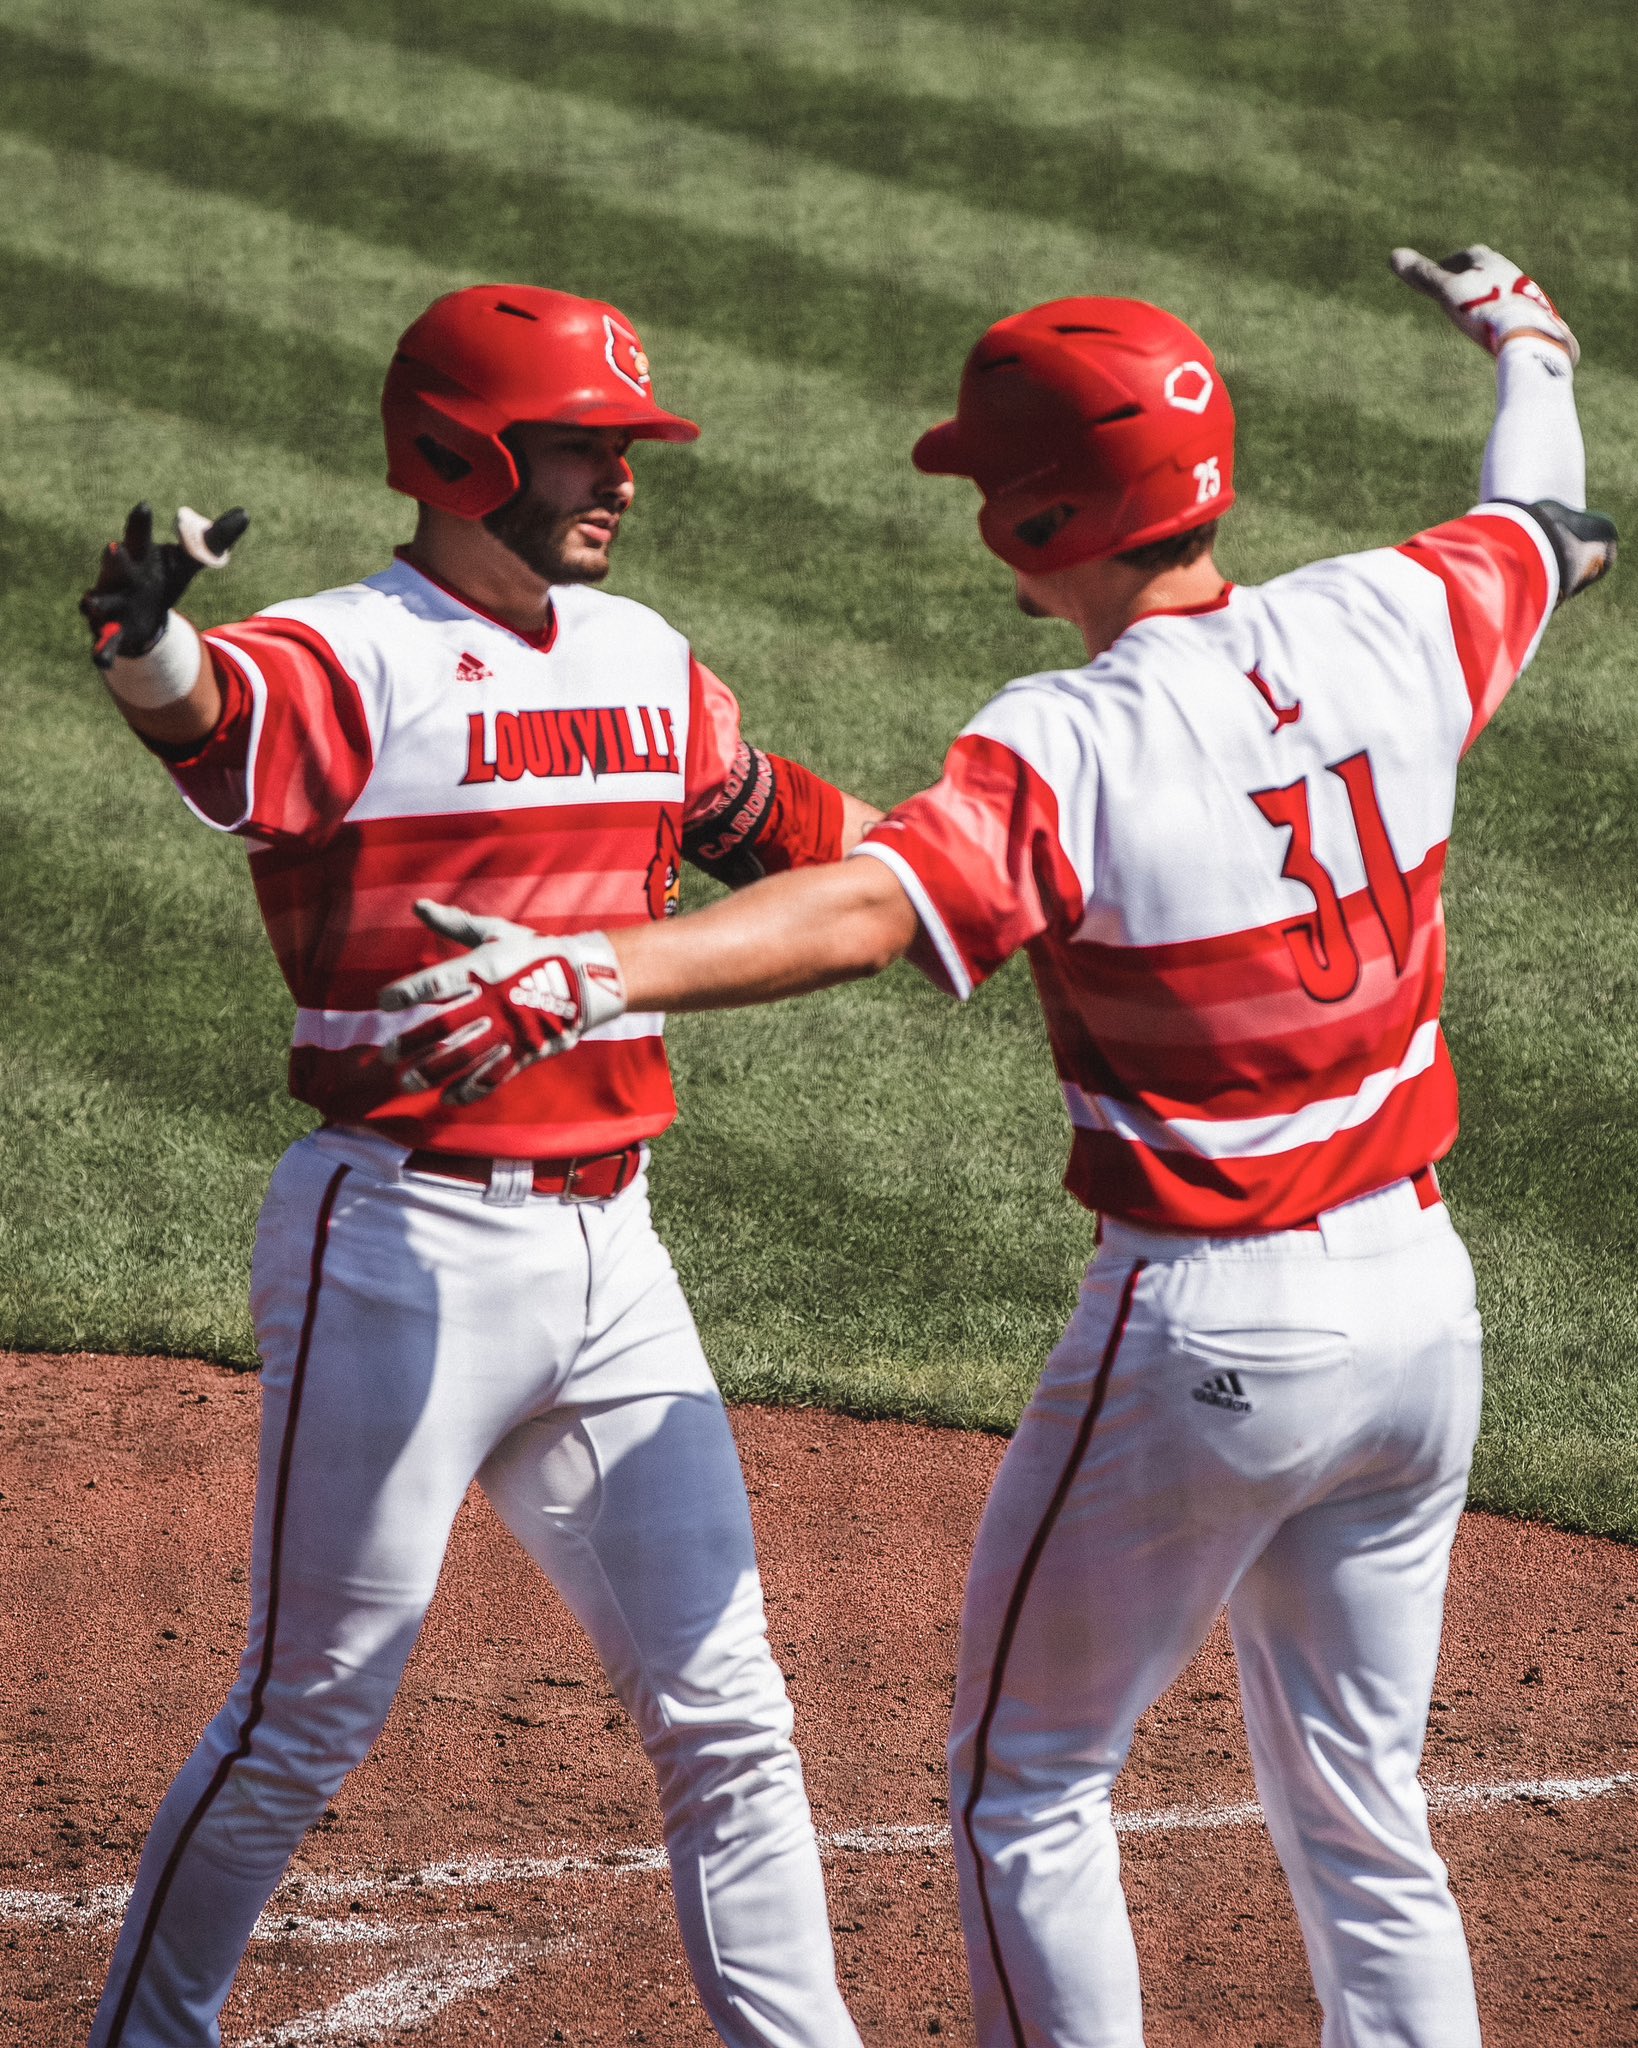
(1262, 1403)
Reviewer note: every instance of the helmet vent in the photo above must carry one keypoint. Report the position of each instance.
(1086, 330)
(1121, 412)
(517, 312)
(1000, 362)
(450, 466)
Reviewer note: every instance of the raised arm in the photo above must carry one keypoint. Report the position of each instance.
(150, 656)
(1534, 455)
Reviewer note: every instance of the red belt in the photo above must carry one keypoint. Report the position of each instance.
(580, 1180)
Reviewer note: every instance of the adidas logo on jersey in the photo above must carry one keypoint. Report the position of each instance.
(1223, 1390)
(469, 669)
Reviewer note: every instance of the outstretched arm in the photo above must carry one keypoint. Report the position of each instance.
(1535, 449)
(784, 937)
(1535, 455)
(857, 819)
(518, 997)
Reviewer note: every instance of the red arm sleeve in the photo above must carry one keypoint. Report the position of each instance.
(291, 750)
(980, 858)
(1501, 583)
(749, 813)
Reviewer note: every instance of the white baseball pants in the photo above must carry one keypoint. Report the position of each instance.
(416, 1334)
(1282, 1424)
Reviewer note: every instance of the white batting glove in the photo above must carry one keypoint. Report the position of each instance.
(515, 998)
(1487, 296)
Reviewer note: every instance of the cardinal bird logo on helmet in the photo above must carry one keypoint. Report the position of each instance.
(625, 356)
(665, 870)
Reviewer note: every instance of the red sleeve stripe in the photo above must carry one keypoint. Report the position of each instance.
(311, 752)
(1500, 582)
(349, 701)
(1530, 526)
(984, 847)
(255, 684)
(713, 736)
(955, 968)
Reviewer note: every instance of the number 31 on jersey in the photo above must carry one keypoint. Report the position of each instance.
(1321, 945)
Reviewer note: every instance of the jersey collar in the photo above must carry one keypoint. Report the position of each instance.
(541, 642)
(1187, 611)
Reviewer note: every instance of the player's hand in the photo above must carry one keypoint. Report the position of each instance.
(515, 998)
(1487, 296)
(137, 582)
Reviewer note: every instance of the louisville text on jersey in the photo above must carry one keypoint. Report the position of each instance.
(607, 739)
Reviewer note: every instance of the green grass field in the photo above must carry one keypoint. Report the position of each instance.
(216, 220)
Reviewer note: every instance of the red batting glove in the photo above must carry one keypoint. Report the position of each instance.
(515, 998)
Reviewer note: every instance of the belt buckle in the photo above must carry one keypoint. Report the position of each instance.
(625, 1165)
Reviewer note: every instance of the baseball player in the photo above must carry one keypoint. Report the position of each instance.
(467, 1285)
(1221, 843)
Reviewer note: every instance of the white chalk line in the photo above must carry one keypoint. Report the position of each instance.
(404, 1998)
(103, 1906)
(352, 1931)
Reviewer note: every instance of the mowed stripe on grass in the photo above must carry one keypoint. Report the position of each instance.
(1055, 131)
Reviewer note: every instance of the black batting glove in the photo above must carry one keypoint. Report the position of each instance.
(138, 583)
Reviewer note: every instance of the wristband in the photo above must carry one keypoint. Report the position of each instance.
(164, 675)
(1526, 343)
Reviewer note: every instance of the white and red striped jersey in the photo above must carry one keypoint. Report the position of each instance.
(1222, 845)
(387, 741)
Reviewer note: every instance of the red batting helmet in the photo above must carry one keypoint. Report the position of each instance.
(493, 356)
(1108, 413)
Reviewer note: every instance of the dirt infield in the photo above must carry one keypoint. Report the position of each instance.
(491, 1874)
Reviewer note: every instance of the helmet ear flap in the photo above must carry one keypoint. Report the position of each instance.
(437, 456)
(511, 442)
(1060, 517)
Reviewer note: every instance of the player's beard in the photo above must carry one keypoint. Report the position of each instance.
(539, 536)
